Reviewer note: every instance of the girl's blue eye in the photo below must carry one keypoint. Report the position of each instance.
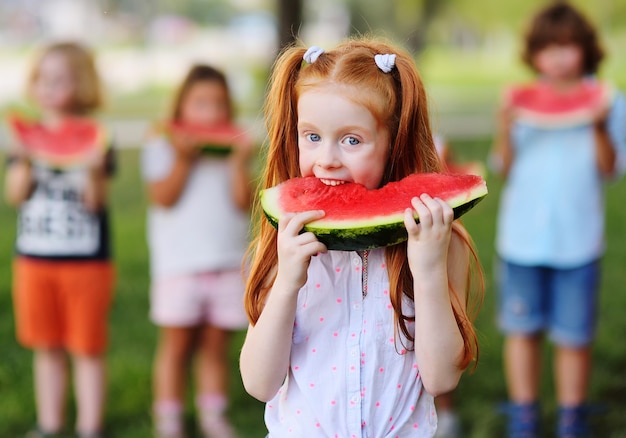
(352, 141)
(314, 137)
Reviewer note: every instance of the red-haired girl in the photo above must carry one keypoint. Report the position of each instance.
(354, 343)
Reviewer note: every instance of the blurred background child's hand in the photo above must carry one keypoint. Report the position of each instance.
(186, 145)
(243, 149)
(600, 115)
(505, 116)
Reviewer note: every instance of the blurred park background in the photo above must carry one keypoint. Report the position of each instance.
(466, 50)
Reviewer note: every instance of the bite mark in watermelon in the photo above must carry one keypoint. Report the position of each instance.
(213, 140)
(541, 105)
(72, 143)
(357, 218)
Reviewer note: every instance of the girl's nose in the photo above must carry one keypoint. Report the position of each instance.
(327, 155)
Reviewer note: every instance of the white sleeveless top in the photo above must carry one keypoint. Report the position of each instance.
(348, 377)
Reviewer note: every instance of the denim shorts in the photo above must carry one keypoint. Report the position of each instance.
(561, 302)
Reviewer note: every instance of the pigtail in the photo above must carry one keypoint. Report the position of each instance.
(413, 150)
(413, 125)
(281, 163)
(281, 118)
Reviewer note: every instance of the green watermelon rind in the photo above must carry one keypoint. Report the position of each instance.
(216, 150)
(370, 233)
(211, 148)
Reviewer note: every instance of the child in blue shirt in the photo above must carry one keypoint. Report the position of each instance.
(559, 139)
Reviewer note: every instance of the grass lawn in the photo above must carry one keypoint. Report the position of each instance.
(133, 336)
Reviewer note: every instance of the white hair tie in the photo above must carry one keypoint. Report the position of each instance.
(312, 53)
(385, 62)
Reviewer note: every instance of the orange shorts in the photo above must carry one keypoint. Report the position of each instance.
(63, 304)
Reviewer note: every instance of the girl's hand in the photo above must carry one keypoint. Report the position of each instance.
(240, 160)
(427, 246)
(606, 156)
(502, 154)
(96, 162)
(19, 153)
(185, 145)
(295, 250)
(95, 193)
(19, 183)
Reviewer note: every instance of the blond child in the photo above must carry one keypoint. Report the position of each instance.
(63, 276)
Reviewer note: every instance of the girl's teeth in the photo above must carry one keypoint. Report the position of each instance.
(331, 182)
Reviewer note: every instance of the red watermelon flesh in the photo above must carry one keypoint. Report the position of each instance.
(214, 140)
(358, 218)
(542, 105)
(71, 143)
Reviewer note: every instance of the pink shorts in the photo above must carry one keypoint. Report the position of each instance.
(214, 298)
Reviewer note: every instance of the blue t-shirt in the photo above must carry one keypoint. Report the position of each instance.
(552, 205)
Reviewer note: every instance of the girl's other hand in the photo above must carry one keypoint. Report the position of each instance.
(599, 116)
(294, 249)
(243, 149)
(505, 116)
(428, 242)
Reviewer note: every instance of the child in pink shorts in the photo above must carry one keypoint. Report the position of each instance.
(197, 232)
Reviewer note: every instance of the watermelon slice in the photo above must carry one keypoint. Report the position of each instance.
(357, 218)
(70, 144)
(215, 141)
(541, 105)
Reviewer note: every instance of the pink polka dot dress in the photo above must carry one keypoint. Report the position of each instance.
(349, 377)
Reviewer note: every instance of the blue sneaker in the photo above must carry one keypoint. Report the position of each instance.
(573, 422)
(524, 419)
